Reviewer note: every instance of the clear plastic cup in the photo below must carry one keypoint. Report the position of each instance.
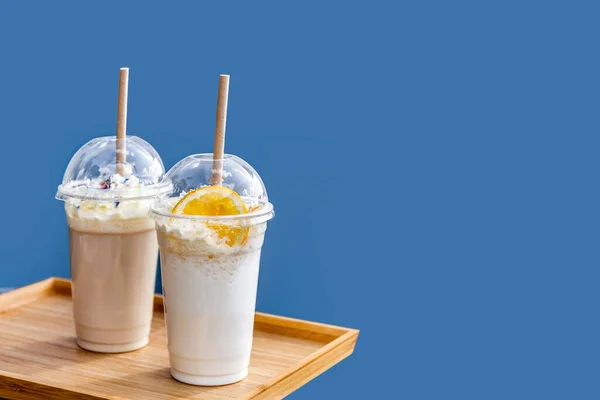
(209, 279)
(113, 246)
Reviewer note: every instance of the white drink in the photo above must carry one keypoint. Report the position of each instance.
(210, 239)
(210, 297)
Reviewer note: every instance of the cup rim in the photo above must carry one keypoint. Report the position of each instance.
(63, 193)
(265, 213)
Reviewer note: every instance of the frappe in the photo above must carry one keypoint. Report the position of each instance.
(113, 246)
(210, 239)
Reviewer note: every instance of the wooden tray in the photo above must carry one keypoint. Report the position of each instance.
(40, 360)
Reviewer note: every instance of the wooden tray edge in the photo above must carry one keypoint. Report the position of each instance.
(308, 368)
(20, 387)
(24, 295)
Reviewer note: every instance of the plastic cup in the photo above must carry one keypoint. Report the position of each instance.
(209, 279)
(113, 246)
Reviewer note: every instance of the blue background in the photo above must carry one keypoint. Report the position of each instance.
(433, 166)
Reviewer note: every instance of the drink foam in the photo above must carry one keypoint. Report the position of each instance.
(187, 236)
(116, 204)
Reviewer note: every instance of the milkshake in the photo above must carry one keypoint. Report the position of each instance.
(113, 245)
(210, 240)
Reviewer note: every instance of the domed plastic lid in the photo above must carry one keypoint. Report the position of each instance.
(196, 171)
(92, 172)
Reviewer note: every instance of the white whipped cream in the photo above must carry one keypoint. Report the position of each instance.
(109, 212)
(188, 236)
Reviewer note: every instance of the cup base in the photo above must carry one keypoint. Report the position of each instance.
(209, 380)
(112, 348)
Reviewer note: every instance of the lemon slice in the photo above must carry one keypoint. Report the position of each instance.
(216, 201)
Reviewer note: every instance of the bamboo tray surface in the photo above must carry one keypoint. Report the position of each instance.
(40, 359)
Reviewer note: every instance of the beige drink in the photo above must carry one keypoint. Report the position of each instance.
(113, 245)
(113, 286)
